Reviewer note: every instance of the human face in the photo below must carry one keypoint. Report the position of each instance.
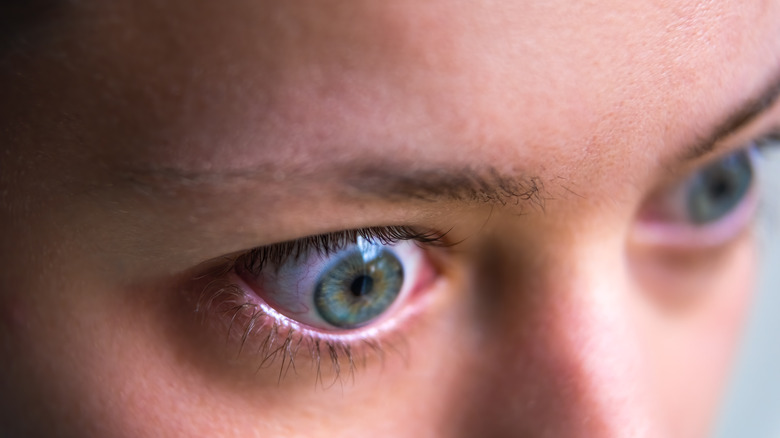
(149, 146)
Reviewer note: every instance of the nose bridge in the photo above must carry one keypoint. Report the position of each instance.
(563, 356)
(587, 328)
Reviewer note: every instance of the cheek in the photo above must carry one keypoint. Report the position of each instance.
(693, 346)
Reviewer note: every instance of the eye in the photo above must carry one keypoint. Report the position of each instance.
(337, 298)
(709, 207)
(719, 188)
(344, 288)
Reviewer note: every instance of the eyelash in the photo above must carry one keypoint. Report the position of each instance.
(278, 338)
(325, 244)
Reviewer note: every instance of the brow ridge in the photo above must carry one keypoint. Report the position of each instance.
(467, 184)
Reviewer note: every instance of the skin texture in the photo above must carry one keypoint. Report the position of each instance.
(143, 139)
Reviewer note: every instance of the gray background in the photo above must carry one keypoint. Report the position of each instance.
(752, 406)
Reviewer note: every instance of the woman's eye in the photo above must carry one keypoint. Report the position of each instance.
(708, 208)
(356, 285)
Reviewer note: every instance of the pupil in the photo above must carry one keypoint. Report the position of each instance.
(355, 290)
(362, 285)
(720, 187)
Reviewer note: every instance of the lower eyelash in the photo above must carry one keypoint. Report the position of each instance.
(276, 340)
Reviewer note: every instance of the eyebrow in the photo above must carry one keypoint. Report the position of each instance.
(398, 181)
(490, 186)
(392, 181)
(743, 116)
(470, 185)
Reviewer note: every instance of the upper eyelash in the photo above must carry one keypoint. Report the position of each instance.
(324, 244)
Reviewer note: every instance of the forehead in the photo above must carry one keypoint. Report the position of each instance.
(538, 84)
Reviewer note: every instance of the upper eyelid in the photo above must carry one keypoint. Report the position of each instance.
(675, 176)
(275, 254)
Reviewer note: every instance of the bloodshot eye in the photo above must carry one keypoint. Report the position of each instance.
(708, 208)
(352, 287)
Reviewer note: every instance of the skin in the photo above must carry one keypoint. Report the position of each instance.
(144, 140)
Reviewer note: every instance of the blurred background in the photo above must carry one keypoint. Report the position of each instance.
(752, 406)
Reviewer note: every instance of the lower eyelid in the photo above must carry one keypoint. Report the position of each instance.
(685, 236)
(264, 337)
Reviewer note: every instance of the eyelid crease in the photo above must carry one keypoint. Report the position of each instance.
(768, 139)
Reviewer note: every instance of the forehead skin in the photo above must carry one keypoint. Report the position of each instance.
(240, 84)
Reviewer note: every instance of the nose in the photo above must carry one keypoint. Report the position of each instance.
(560, 355)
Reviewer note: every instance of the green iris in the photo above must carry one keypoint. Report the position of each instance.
(717, 189)
(358, 287)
